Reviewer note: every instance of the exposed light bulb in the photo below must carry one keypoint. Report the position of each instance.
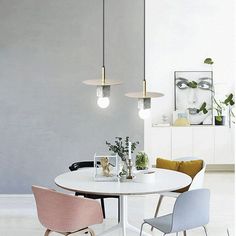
(103, 102)
(144, 113)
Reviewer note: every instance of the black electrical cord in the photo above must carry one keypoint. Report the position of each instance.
(144, 40)
(103, 35)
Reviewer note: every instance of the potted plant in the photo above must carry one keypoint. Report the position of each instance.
(220, 107)
(141, 161)
(121, 147)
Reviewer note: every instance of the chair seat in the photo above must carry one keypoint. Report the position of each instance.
(163, 223)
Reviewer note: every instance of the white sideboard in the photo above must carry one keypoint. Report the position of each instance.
(214, 144)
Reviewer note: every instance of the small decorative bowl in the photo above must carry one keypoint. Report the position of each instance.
(145, 177)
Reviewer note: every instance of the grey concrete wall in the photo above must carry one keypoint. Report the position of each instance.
(48, 118)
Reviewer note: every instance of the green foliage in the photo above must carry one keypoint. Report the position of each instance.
(208, 61)
(141, 161)
(121, 147)
(219, 118)
(192, 84)
(220, 106)
(229, 100)
(202, 109)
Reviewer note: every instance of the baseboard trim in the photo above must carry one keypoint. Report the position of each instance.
(220, 168)
(3, 195)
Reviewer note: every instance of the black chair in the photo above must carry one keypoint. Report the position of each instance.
(85, 164)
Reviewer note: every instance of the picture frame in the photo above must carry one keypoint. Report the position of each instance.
(106, 168)
(193, 90)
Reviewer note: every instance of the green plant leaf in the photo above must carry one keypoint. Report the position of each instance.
(229, 100)
(203, 108)
(208, 61)
(219, 118)
(192, 84)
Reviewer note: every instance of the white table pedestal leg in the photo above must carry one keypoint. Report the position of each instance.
(124, 224)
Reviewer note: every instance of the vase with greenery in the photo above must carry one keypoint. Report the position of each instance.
(141, 161)
(121, 148)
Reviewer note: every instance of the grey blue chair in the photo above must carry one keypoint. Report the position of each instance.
(191, 210)
(197, 183)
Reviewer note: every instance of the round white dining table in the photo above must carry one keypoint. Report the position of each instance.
(83, 181)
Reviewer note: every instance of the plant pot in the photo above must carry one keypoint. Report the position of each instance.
(122, 178)
(141, 161)
(219, 120)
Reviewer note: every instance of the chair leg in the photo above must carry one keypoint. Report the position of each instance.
(141, 230)
(91, 232)
(158, 207)
(48, 231)
(205, 230)
(118, 209)
(103, 208)
(185, 233)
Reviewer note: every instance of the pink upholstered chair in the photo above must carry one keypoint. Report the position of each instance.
(66, 214)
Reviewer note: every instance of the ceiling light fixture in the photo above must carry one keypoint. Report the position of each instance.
(103, 84)
(144, 97)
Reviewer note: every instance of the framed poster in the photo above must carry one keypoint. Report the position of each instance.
(194, 94)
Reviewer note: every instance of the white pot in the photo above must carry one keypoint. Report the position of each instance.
(147, 176)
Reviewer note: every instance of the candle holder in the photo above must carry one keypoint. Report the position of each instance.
(129, 166)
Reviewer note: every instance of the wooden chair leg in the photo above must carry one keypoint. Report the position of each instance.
(48, 231)
(158, 207)
(91, 232)
(103, 208)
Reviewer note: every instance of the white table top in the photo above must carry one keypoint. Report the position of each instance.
(83, 181)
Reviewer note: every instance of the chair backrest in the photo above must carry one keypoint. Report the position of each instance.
(81, 164)
(198, 180)
(191, 210)
(65, 213)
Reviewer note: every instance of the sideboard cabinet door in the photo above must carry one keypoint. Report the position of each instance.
(203, 143)
(181, 142)
(224, 145)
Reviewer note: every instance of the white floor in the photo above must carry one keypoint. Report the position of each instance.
(18, 214)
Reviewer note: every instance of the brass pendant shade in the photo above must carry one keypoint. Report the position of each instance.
(103, 81)
(103, 84)
(144, 93)
(144, 97)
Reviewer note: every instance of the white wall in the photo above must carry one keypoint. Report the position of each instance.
(179, 36)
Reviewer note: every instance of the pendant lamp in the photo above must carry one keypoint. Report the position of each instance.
(103, 85)
(144, 97)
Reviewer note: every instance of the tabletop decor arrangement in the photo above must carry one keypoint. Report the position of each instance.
(106, 168)
(123, 148)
